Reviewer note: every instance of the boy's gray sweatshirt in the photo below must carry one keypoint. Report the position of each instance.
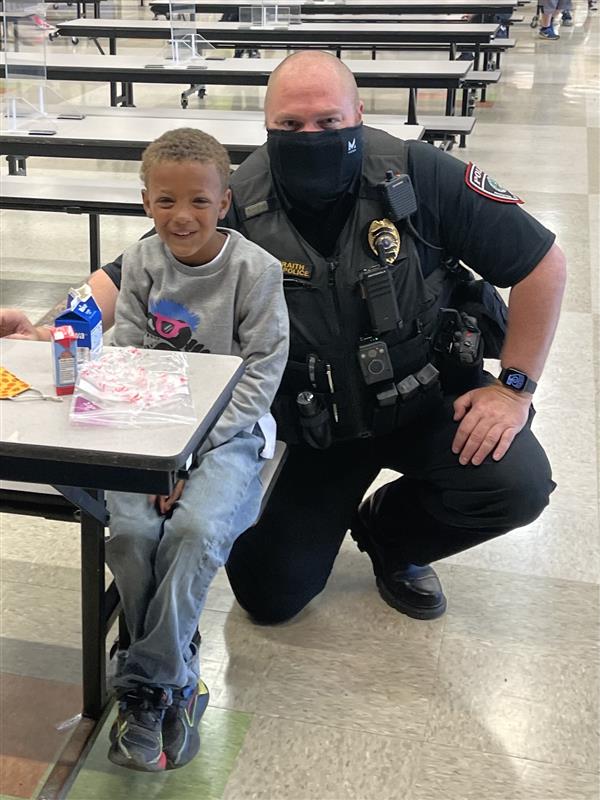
(234, 305)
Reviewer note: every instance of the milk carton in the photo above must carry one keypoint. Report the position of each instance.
(64, 358)
(84, 316)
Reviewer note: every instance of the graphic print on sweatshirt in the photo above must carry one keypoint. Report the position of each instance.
(171, 326)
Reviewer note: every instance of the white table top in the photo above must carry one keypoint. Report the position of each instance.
(361, 68)
(72, 190)
(369, 16)
(243, 129)
(364, 5)
(42, 427)
(230, 132)
(158, 28)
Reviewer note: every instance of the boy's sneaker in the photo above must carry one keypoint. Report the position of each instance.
(593, 5)
(181, 739)
(567, 19)
(548, 33)
(136, 735)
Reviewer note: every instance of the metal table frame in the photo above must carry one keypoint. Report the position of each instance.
(93, 210)
(215, 75)
(305, 35)
(18, 145)
(373, 7)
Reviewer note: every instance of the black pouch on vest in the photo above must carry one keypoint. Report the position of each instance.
(284, 410)
(416, 396)
(481, 300)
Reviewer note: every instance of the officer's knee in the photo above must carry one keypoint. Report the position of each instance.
(269, 604)
(274, 611)
(527, 493)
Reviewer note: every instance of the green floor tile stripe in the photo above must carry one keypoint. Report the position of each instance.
(222, 733)
(9, 797)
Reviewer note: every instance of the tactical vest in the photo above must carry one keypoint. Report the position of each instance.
(328, 315)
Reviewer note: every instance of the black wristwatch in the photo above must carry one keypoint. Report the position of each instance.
(517, 381)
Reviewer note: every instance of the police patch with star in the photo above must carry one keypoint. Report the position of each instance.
(480, 182)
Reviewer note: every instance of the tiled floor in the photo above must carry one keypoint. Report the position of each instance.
(351, 701)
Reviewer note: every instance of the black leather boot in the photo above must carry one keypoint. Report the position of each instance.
(414, 590)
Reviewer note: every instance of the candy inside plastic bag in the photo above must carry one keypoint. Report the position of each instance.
(130, 387)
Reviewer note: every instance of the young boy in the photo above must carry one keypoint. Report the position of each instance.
(192, 286)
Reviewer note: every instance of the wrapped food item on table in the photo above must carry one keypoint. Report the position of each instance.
(131, 387)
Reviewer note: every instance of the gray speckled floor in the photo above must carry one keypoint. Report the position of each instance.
(351, 701)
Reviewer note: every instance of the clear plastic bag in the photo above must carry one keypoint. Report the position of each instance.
(129, 387)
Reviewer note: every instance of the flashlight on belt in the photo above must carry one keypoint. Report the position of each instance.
(308, 405)
(314, 420)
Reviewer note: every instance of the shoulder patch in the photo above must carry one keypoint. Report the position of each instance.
(480, 182)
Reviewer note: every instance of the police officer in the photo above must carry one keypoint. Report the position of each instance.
(365, 282)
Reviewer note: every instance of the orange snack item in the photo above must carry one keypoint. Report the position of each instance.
(10, 385)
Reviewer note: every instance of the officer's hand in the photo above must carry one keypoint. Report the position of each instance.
(14, 323)
(491, 418)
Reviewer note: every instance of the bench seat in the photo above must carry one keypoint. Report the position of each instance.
(481, 77)
(439, 126)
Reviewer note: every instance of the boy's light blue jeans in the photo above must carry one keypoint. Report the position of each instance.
(163, 567)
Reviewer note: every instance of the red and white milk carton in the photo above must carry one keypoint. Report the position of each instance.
(64, 358)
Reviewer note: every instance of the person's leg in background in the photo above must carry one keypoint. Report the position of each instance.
(567, 17)
(547, 30)
(503, 20)
(279, 565)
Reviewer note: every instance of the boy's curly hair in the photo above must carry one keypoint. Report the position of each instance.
(186, 144)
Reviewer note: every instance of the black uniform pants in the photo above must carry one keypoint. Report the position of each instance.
(438, 507)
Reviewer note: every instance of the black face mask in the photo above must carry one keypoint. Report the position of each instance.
(313, 170)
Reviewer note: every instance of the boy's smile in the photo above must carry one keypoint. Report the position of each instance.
(186, 200)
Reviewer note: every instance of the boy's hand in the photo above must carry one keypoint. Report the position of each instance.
(164, 503)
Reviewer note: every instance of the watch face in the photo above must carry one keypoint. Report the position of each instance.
(516, 380)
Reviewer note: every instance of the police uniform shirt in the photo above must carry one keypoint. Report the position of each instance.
(479, 222)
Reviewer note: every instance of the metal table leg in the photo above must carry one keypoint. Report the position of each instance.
(93, 615)
(94, 236)
(99, 609)
(17, 165)
(412, 107)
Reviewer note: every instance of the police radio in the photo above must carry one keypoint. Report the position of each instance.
(401, 202)
(398, 195)
(377, 288)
